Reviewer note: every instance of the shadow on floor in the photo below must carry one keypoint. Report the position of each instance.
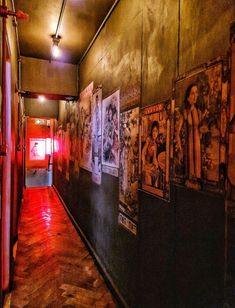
(38, 177)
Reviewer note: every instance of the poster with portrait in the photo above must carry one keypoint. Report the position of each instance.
(199, 129)
(129, 163)
(155, 148)
(85, 127)
(96, 113)
(37, 149)
(110, 130)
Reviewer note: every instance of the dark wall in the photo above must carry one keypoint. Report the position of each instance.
(177, 258)
(36, 109)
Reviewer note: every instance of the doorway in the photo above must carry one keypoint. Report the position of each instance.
(38, 152)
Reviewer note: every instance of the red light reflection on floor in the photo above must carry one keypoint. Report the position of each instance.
(53, 267)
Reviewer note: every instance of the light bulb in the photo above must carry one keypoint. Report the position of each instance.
(55, 51)
(41, 98)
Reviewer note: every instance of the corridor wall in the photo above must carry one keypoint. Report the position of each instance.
(177, 256)
(54, 71)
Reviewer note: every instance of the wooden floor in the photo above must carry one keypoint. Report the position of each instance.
(53, 267)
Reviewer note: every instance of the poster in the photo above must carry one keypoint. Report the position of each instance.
(85, 127)
(66, 151)
(129, 163)
(199, 129)
(155, 148)
(60, 147)
(73, 119)
(127, 223)
(110, 127)
(96, 112)
(37, 149)
(74, 135)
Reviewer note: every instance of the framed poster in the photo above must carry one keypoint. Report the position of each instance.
(85, 127)
(155, 148)
(129, 163)
(96, 112)
(199, 129)
(110, 130)
(37, 148)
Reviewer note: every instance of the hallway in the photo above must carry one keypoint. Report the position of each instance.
(53, 267)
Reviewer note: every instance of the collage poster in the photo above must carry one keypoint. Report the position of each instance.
(155, 148)
(129, 163)
(96, 112)
(199, 130)
(85, 127)
(110, 135)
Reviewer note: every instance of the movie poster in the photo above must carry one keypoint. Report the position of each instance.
(85, 127)
(37, 149)
(155, 148)
(129, 163)
(199, 130)
(96, 113)
(110, 127)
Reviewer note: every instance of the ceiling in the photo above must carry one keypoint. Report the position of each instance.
(79, 23)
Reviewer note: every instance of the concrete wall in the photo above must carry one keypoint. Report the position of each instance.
(177, 259)
(41, 76)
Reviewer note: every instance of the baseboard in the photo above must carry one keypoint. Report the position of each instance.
(109, 281)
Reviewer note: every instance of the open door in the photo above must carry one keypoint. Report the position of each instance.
(38, 158)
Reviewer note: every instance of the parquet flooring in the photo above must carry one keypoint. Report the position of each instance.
(53, 267)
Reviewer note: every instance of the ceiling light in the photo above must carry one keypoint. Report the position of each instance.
(55, 48)
(41, 98)
(38, 121)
